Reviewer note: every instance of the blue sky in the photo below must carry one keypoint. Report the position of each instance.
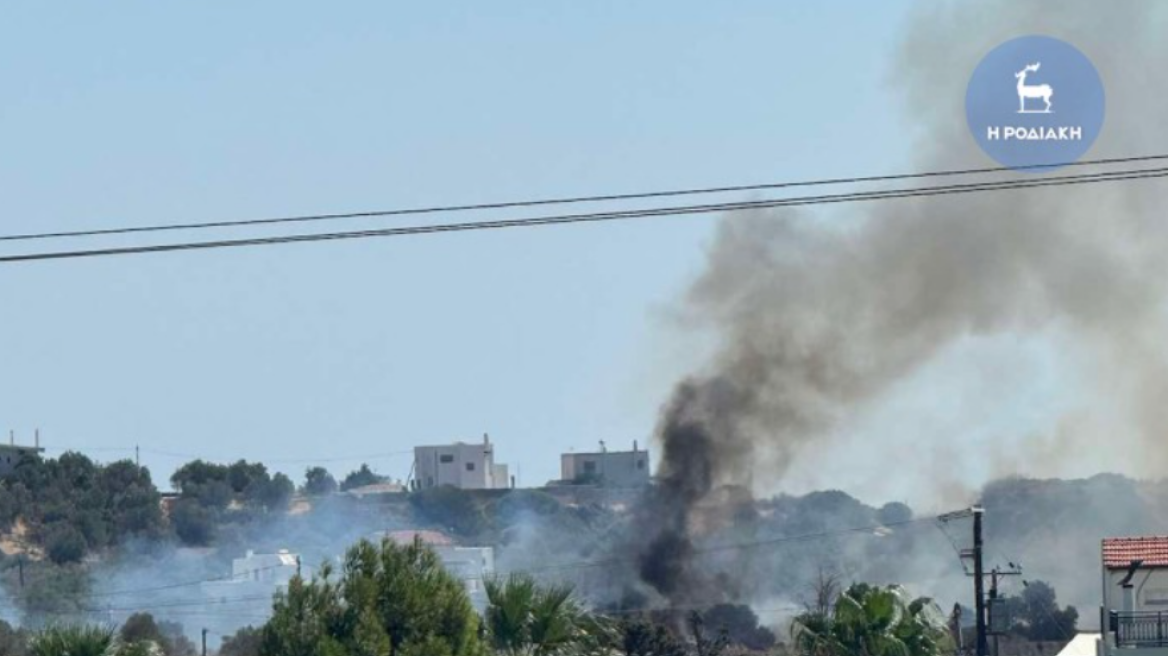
(138, 113)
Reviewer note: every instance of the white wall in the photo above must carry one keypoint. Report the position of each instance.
(614, 468)
(465, 466)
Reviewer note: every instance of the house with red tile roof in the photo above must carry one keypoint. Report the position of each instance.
(1135, 596)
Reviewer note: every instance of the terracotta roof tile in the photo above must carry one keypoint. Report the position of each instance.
(1120, 552)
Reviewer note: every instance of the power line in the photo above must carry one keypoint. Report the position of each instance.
(571, 200)
(797, 201)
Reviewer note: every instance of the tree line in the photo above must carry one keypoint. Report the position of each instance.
(397, 600)
(69, 507)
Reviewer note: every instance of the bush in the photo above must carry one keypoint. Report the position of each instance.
(360, 478)
(193, 523)
(389, 599)
(64, 544)
(449, 507)
(318, 482)
(245, 642)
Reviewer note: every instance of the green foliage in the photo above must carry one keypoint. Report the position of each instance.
(73, 505)
(740, 626)
(245, 642)
(140, 633)
(64, 544)
(54, 590)
(450, 508)
(641, 637)
(211, 494)
(361, 477)
(72, 640)
(873, 621)
(318, 482)
(525, 617)
(216, 486)
(193, 523)
(388, 599)
(1035, 614)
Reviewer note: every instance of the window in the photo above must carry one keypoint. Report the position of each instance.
(590, 467)
(640, 464)
(470, 466)
(446, 458)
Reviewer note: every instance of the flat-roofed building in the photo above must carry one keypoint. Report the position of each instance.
(606, 468)
(462, 465)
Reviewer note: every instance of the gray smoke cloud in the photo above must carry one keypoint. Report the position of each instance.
(816, 320)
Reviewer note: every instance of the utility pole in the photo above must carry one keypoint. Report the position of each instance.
(997, 614)
(137, 460)
(204, 642)
(979, 582)
(979, 610)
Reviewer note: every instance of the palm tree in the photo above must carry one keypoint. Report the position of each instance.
(872, 621)
(73, 640)
(524, 618)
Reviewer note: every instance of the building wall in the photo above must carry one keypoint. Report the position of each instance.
(465, 466)
(471, 565)
(11, 456)
(610, 468)
(1149, 593)
(268, 568)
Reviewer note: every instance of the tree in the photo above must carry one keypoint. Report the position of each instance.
(140, 627)
(72, 640)
(740, 625)
(360, 478)
(193, 523)
(641, 637)
(524, 617)
(142, 632)
(872, 621)
(244, 642)
(274, 493)
(388, 599)
(1035, 614)
(704, 643)
(318, 482)
(65, 544)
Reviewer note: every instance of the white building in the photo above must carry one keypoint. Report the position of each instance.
(1135, 596)
(248, 591)
(465, 466)
(12, 454)
(607, 468)
(471, 565)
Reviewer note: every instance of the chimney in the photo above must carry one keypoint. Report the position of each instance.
(634, 446)
(486, 439)
(11, 438)
(37, 433)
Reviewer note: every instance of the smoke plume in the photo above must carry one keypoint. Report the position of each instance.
(817, 320)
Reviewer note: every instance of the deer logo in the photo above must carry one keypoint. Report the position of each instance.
(1032, 91)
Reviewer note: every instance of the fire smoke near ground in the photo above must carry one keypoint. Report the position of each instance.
(818, 319)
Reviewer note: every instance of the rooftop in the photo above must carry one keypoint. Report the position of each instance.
(1120, 552)
(432, 538)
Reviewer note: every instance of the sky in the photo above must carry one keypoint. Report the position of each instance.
(548, 339)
